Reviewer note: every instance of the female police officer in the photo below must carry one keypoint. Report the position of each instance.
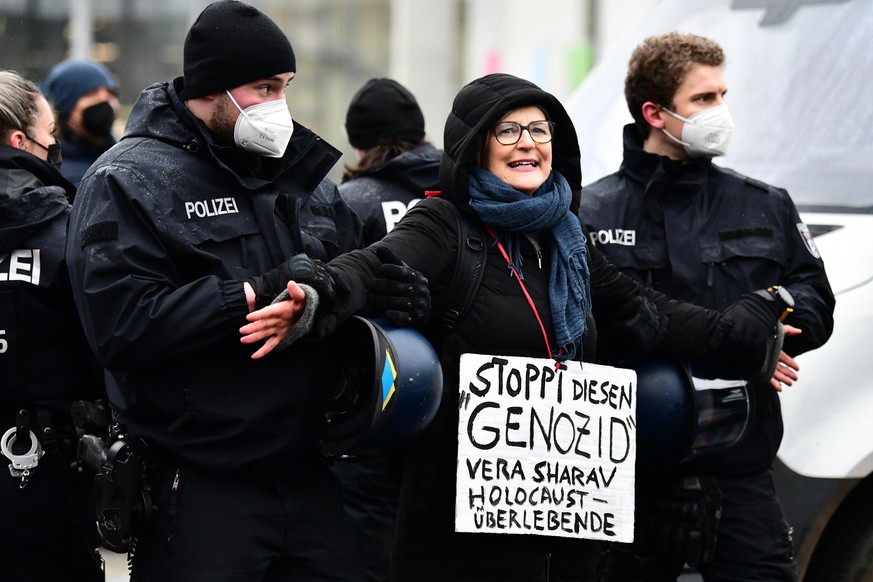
(46, 532)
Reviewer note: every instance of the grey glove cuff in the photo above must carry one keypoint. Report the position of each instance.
(304, 324)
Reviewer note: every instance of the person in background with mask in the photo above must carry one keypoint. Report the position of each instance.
(678, 223)
(46, 510)
(86, 101)
(395, 164)
(182, 235)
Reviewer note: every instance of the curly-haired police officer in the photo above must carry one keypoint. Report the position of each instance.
(707, 235)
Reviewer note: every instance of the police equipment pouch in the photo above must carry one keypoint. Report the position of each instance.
(92, 417)
(122, 495)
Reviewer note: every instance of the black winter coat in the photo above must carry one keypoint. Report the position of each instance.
(707, 235)
(78, 155)
(44, 358)
(500, 321)
(166, 227)
(383, 196)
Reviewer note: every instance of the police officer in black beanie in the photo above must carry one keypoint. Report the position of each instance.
(181, 237)
(395, 166)
(382, 110)
(395, 163)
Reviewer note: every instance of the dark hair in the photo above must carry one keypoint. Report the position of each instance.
(376, 157)
(659, 65)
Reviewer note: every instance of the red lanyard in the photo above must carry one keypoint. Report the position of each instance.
(526, 294)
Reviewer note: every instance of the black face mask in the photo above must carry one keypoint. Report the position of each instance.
(53, 152)
(98, 119)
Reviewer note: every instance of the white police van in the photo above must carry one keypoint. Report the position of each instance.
(800, 89)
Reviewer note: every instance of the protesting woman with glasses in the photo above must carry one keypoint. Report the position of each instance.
(46, 511)
(511, 171)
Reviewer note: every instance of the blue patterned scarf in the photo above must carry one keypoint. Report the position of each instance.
(512, 213)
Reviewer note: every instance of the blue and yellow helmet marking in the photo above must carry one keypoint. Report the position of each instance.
(389, 374)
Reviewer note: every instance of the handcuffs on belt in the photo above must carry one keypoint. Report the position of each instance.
(21, 465)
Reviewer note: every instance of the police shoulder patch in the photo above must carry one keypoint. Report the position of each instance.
(808, 239)
(100, 232)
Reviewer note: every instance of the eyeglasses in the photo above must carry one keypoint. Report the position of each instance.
(509, 132)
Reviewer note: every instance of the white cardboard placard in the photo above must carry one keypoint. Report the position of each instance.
(545, 451)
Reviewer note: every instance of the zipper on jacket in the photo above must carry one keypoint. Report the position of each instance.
(548, 566)
(173, 506)
(176, 479)
(533, 239)
(710, 268)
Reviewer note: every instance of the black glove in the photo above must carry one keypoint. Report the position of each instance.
(399, 291)
(301, 269)
(637, 324)
(685, 518)
(751, 332)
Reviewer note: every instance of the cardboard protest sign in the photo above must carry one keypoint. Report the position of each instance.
(545, 451)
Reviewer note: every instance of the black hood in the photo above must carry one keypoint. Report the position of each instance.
(478, 107)
(32, 193)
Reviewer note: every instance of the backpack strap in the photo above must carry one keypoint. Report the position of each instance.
(469, 267)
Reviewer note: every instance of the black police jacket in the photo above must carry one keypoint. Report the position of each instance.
(384, 195)
(166, 227)
(707, 235)
(44, 358)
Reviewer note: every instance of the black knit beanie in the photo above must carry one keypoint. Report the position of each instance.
(230, 44)
(383, 108)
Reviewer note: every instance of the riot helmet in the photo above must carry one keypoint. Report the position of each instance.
(389, 389)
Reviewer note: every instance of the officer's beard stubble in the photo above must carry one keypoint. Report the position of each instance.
(222, 122)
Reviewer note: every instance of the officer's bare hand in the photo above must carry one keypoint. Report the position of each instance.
(787, 368)
(273, 322)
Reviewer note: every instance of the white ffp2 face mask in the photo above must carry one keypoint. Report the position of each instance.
(264, 129)
(706, 133)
